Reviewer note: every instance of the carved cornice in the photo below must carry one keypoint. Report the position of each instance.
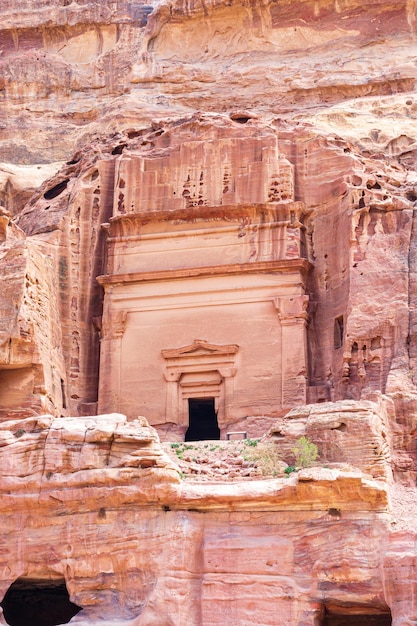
(130, 224)
(280, 266)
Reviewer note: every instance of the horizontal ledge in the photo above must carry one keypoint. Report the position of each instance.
(262, 267)
(200, 213)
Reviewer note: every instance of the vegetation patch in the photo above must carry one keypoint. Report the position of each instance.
(265, 456)
(305, 452)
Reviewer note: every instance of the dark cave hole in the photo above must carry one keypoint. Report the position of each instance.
(38, 603)
(352, 618)
(55, 191)
(240, 119)
(119, 149)
(338, 332)
(202, 420)
(133, 134)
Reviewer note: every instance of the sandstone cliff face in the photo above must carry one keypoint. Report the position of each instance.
(265, 150)
(360, 318)
(112, 62)
(94, 501)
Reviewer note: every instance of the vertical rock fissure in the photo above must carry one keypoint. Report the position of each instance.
(412, 296)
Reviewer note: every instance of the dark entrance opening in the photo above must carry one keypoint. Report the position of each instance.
(352, 618)
(202, 420)
(38, 603)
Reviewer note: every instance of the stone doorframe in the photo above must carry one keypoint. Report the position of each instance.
(199, 370)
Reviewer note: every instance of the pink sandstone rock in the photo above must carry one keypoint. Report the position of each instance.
(207, 214)
(343, 351)
(94, 501)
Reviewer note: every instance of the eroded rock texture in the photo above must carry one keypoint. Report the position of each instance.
(207, 218)
(94, 502)
(113, 81)
(199, 206)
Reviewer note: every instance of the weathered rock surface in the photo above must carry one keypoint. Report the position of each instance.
(95, 501)
(107, 64)
(345, 432)
(359, 336)
(352, 165)
(207, 140)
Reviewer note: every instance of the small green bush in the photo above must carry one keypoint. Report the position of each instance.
(251, 442)
(305, 452)
(290, 469)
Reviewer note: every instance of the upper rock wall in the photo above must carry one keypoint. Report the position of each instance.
(72, 70)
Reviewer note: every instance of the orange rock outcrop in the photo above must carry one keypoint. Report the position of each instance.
(95, 502)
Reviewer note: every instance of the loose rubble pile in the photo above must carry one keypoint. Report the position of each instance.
(244, 459)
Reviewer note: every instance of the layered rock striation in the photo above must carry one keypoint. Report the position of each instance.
(95, 502)
(208, 215)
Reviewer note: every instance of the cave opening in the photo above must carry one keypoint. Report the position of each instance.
(55, 191)
(38, 603)
(356, 617)
(202, 420)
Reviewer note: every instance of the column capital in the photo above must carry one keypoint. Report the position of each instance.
(116, 326)
(292, 309)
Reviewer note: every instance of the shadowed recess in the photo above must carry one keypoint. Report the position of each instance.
(351, 618)
(202, 420)
(38, 603)
(55, 191)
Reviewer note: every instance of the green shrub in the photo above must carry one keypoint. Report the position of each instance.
(251, 442)
(305, 452)
(290, 469)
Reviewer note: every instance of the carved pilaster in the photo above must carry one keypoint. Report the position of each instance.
(292, 313)
(113, 330)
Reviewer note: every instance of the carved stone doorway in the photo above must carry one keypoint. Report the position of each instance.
(38, 603)
(202, 420)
